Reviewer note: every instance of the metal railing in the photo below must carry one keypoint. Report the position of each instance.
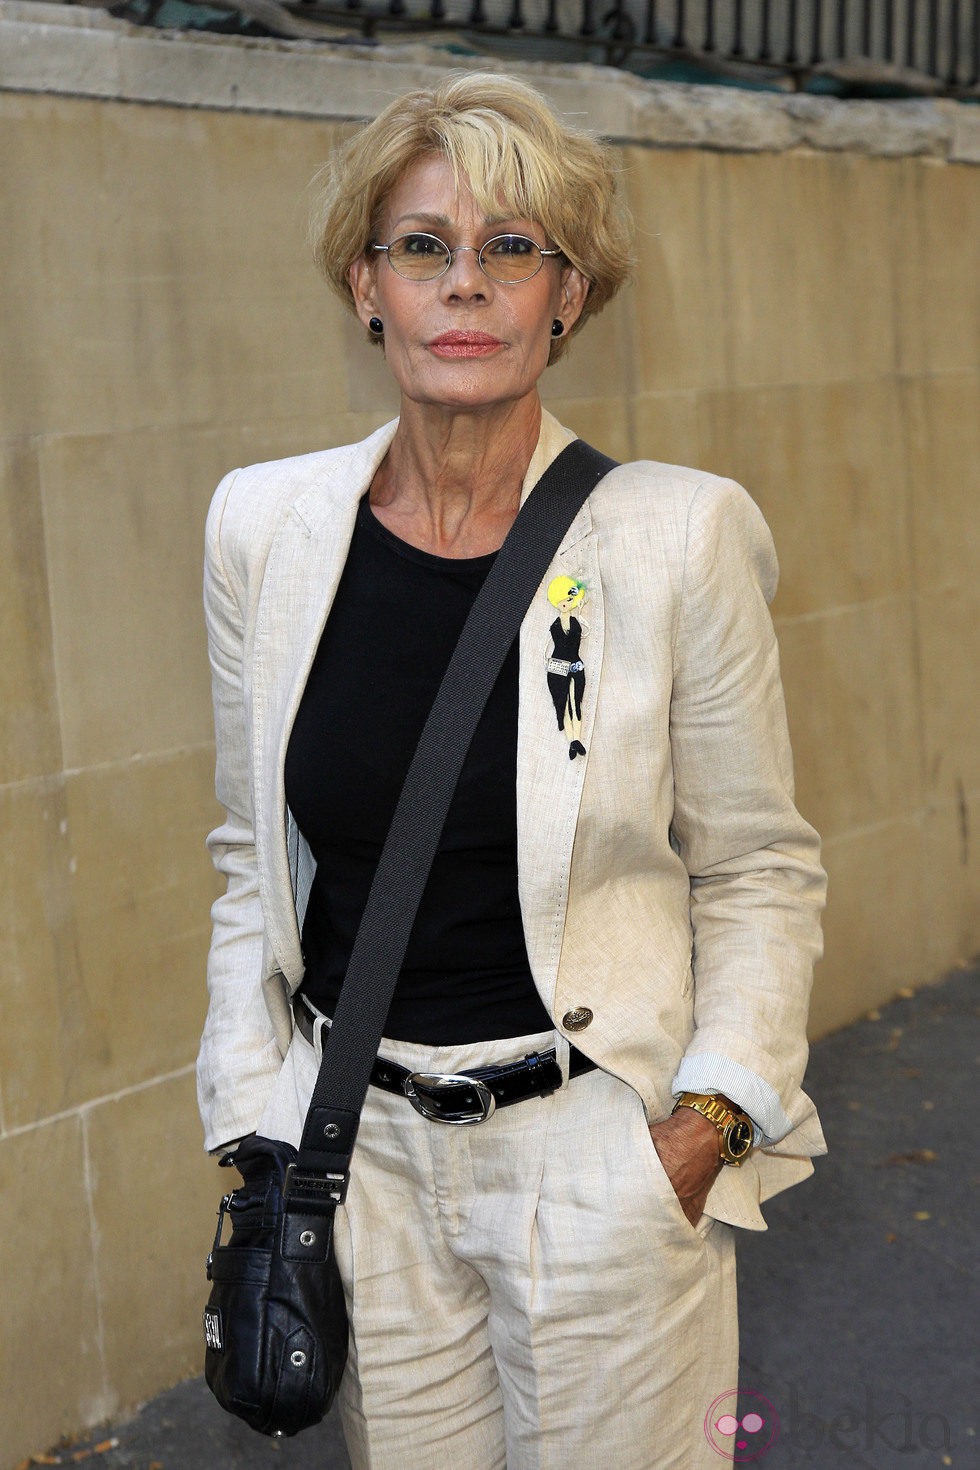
(862, 42)
(851, 46)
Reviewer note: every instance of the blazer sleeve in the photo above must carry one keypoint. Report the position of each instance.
(239, 1057)
(757, 886)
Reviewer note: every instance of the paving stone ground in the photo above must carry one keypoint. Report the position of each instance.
(859, 1305)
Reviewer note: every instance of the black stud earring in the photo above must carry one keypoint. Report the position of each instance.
(557, 327)
(376, 327)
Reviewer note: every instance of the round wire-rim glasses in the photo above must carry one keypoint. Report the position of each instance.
(507, 259)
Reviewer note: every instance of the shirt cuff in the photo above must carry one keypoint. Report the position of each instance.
(710, 1072)
(224, 1148)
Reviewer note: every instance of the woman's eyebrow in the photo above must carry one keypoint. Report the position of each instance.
(446, 223)
(420, 214)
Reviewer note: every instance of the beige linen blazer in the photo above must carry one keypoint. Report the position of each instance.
(667, 882)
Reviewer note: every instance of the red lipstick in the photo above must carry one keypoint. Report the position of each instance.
(464, 344)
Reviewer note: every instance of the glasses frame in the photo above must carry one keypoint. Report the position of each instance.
(453, 251)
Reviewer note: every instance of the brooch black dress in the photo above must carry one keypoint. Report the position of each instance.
(566, 671)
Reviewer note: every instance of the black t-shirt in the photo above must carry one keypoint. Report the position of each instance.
(392, 628)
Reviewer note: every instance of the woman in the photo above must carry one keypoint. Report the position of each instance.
(555, 1285)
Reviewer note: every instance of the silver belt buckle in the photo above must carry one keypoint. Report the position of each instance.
(436, 1082)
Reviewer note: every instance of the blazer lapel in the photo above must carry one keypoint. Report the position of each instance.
(549, 784)
(302, 573)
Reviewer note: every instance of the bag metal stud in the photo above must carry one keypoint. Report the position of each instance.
(297, 1358)
(307, 1238)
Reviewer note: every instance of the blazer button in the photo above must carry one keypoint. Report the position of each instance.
(577, 1019)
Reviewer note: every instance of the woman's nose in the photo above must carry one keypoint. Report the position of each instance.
(465, 276)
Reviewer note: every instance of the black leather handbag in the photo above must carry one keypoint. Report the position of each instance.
(275, 1325)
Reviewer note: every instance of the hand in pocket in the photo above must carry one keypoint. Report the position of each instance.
(688, 1149)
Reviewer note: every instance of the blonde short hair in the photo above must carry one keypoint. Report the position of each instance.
(506, 143)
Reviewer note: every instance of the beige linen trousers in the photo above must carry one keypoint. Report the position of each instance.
(523, 1294)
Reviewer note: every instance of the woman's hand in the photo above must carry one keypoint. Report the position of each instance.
(688, 1149)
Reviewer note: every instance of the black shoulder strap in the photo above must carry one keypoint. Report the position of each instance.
(410, 846)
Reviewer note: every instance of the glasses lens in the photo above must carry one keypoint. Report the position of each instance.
(419, 257)
(511, 258)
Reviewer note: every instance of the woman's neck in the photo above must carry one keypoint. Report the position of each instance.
(451, 482)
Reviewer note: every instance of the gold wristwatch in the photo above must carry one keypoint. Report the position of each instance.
(735, 1128)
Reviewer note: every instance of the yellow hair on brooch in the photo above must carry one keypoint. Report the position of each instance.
(567, 592)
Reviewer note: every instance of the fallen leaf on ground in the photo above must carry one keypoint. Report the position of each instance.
(922, 1215)
(913, 1156)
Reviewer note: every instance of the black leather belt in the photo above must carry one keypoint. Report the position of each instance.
(465, 1097)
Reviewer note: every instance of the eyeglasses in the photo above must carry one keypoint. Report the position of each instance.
(506, 258)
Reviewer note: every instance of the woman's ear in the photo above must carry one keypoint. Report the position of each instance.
(360, 277)
(574, 289)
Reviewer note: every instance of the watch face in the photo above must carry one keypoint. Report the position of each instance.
(739, 1139)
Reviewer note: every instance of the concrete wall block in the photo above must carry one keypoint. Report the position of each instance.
(30, 735)
(666, 427)
(827, 465)
(51, 1346)
(802, 297)
(39, 52)
(878, 867)
(949, 643)
(965, 124)
(39, 1062)
(940, 440)
(713, 117)
(104, 894)
(932, 253)
(681, 331)
(853, 694)
(141, 889)
(901, 127)
(154, 1194)
(126, 605)
(951, 876)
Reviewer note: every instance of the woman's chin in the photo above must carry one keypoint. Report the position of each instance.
(476, 398)
(480, 384)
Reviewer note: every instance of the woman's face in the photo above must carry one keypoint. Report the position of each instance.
(462, 341)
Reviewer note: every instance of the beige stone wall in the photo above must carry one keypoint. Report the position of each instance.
(810, 323)
(805, 320)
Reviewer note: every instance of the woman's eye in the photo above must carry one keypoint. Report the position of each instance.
(512, 245)
(422, 245)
